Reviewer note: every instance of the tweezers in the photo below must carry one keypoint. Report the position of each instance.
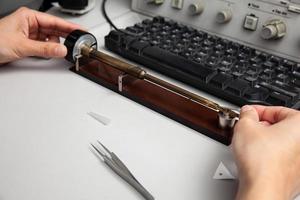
(117, 166)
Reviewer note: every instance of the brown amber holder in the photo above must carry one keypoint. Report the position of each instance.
(155, 97)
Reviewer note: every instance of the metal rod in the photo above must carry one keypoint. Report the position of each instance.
(140, 73)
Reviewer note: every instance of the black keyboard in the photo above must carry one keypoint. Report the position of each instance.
(224, 68)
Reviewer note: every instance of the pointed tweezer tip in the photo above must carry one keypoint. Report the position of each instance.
(97, 150)
(104, 147)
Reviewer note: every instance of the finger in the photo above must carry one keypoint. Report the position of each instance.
(41, 37)
(43, 49)
(249, 112)
(248, 120)
(50, 22)
(265, 123)
(273, 114)
(54, 32)
(34, 35)
(53, 39)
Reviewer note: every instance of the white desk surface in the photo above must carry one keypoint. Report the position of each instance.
(45, 134)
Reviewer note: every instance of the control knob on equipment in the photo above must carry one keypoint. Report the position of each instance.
(224, 16)
(196, 8)
(273, 29)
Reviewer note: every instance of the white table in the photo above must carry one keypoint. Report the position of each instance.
(45, 134)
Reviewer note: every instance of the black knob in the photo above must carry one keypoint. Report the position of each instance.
(74, 41)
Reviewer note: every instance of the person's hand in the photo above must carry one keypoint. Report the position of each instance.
(266, 146)
(31, 33)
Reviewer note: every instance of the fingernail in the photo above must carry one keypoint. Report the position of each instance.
(246, 108)
(61, 51)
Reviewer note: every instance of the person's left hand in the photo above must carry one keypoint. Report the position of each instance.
(31, 33)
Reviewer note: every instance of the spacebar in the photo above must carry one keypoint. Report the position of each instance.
(165, 57)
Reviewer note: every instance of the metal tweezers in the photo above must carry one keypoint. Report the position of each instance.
(116, 165)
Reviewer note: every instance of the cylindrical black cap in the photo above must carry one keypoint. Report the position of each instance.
(71, 41)
(73, 4)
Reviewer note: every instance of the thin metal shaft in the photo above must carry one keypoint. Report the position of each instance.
(140, 73)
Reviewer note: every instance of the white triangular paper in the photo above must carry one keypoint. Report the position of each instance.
(103, 120)
(222, 173)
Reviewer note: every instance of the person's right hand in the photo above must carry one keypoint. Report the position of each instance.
(266, 146)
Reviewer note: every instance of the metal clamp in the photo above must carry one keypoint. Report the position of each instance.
(121, 81)
(77, 58)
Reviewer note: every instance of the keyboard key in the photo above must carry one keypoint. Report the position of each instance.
(264, 56)
(138, 46)
(255, 67)
(281, 69)
(268, 65)
(276, 60)
(255, 60)
(265, 78)
(127, 40)
(293, 92)
(237, 87)
(280, 89)
(158, 19)
(282, 77)
(221, 80)
(252, 80)
(296, 74)
(115, 36)
(269, 72)
(296, 83)
(289, 64)
(256, 94)
(247, 50)
(135, 30)
(147, 21)
(252, 73)
(278, 99)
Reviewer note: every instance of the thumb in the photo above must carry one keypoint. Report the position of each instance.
(44, 49)
(249, 112)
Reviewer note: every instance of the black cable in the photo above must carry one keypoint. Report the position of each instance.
(108, 19)
(103, 8)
